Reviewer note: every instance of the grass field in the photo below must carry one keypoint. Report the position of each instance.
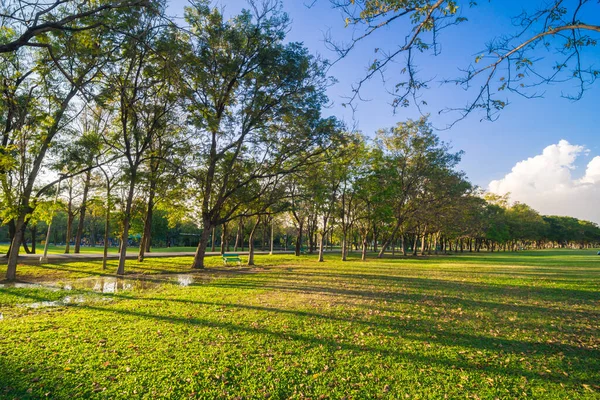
(482, 326)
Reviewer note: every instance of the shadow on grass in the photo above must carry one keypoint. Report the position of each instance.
(580, 359)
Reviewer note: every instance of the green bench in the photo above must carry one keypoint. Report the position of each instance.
(231, 258)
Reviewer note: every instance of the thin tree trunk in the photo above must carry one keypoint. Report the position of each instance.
(272, 234)
(11, 233)
(385, 244)
(237, 236)
(126, 221)
(24, 242)
(251, 243)
(92, 233)
(70, 217)
(212, 247)
(82, 210)
(321, 246)
(106, 228)
(415, 242)
(147, 234)
(223, 237)
(365, 243)
(33, 231)
(375, 238)
(299, 239)
(344, 247)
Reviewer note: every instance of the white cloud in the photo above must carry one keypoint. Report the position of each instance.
(545, 182)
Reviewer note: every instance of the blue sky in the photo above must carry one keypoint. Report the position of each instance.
(524, 129)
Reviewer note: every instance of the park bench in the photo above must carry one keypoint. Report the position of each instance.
(231, 258)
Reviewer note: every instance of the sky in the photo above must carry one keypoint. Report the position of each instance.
(545, 152)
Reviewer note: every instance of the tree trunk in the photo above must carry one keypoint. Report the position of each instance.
(212, 247)
(82, 210)
(299, 239)
(147, 234)
(272, 234)
(385, 244)
(251, 243)
(365, 243)
(237, 236)
(223, 237)
(263, 243)
(344, 247)
(106, 228)
(125, 233)
(375, 238)
(202, 244)
(92, 233)
(24, 242)
(321, 246)
(11, 233)
(33, 231)
(415, 243)
(13, 255)
(70, 217)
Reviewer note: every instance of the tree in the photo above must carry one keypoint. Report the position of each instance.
(254, 105)
(515, 63)
(36, 100)
(27, 23)
(411, 154)
(353, 158)
(140, 88)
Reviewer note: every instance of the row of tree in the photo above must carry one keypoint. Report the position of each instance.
(400, 192)
(217, 124)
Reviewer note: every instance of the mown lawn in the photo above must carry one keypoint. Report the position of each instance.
(492, 326)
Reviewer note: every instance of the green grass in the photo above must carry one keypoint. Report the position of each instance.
(97, 250)
(474, 326)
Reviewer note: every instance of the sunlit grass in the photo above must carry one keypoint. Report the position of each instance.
(471, 326)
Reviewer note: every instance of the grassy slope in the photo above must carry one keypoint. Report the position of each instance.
(485, 326)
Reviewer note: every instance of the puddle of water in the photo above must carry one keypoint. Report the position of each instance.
(21, 285)
(111, 284)
(185, 280)
(68, 300)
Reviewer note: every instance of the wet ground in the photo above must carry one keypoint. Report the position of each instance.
(111, 285)
(108, 285)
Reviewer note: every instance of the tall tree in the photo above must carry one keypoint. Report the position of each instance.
(27, 23)
(139, 87)
(39, 86)
(411, 152)
(254, 105)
